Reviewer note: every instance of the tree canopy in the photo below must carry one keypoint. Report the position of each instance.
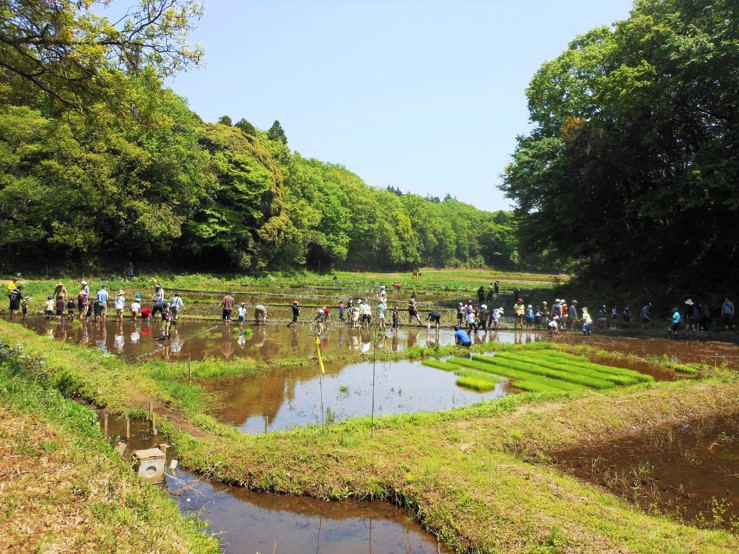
(631, 167)
(100, 162)
(68, 54)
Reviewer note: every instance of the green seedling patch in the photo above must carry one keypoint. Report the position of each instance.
(438, 364)
(533, 369)
(554, 384)
(590, 370)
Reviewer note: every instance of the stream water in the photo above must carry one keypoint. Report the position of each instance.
(248, 522)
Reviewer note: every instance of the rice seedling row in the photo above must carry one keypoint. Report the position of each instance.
(534, 369)
(554, 384)
(438, 364)
(590, 370)
(583, 361)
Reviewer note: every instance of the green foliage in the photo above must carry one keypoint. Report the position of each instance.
(66, 54)
(133, 174)
(632, 127)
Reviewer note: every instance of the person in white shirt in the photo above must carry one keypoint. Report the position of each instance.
(120, 305)
(175, 307)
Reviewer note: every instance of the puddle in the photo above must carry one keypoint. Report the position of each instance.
(690, 471)
(283, 398)
(248, 522)
(199, 339)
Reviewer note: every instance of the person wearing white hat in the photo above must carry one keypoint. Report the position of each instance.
(689, 319)
(120, 305)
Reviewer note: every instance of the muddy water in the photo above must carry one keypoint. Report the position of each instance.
(680, 351)
(248, 522)
(690, 470)
(251, 522)
(200, 339)
(283, 398)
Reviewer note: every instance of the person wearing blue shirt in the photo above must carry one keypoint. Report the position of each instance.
(674, 323)
(461, 337)
(102, 303)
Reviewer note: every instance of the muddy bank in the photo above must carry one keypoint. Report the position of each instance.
(690, 470)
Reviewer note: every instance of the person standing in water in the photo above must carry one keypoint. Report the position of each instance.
(296, 312)
(413, 310)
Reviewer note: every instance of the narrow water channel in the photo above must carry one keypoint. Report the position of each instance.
(249, 522)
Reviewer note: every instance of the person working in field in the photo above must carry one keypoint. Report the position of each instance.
(461, 338)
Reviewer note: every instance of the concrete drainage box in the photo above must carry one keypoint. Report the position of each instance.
(151, 464)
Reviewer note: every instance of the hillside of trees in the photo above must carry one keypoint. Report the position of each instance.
(101, 164)
(632, 167)
(628, 176)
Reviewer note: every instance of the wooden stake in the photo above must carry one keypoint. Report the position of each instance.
(105, 425)
(153, 424)
(151, 409)
(128, 427)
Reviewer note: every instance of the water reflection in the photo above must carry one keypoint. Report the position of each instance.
(248, 522)
(251, 522)
(136, 340)
(282, 398)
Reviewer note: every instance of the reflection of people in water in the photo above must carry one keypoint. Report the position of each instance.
(366, 342)
(135, 333)
(227, 344)
(396, 340)
(260, 336)
(241, 340)
(119, 341)
(294, 341)
(433, 341)
(412, 337)
(103, 339)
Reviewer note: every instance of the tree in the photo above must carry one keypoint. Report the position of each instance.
(277, 133)
(70, 55)
(225, 120)
(632, 162)
(246, 127)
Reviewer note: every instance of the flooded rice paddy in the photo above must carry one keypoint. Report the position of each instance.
(201, 339)
(690, 470)
(248, 522)
(282, 398)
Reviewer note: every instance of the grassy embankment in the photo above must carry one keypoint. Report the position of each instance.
(477, 476)
(63, 487)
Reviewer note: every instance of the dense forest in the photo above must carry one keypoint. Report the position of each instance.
(628, 176)
(101, 164)
(632, 167)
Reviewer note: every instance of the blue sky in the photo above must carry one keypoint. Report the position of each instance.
(426, 96)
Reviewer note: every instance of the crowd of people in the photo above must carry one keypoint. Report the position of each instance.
(471, 317)
(86, 306)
